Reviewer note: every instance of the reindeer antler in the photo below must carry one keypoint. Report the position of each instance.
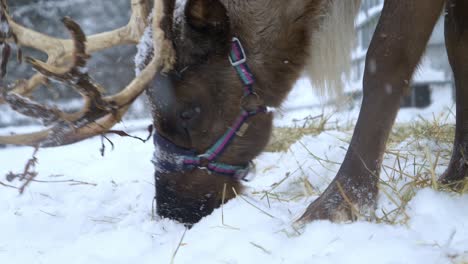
(99, 113)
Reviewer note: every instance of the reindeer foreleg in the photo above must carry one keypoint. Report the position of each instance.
(456, 39)
(396, 47)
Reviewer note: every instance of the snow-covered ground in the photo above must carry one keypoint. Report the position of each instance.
(99, 209)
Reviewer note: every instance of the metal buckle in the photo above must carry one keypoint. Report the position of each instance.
(244, 57)
(249, 173)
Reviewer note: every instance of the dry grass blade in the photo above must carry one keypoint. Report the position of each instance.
(222, 203)
(355, 214)
(261, 248)
(283, 137)
(178, 247)
(253, 205)
(417, 153)
(223, 199)
(8, 186)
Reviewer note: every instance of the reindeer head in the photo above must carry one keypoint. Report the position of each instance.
(194, 106)
(196, 93)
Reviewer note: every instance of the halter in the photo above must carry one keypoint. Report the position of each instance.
(169, 157)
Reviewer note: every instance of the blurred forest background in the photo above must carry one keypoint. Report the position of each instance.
(113, 68)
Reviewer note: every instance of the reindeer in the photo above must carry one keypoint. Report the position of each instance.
(213, 69)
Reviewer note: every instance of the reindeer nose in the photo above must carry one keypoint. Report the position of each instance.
(175, 200)
(190, 113)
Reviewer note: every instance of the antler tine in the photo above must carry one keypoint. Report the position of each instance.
(98, 120)
(76, 76)
(59, 50)
(164, 54)
(128, 34)
(25, 87)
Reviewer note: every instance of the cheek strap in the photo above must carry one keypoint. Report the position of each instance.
(169, 157)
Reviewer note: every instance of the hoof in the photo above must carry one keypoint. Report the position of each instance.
(456, 173)
(341, 203)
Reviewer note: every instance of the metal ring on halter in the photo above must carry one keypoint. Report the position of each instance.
(244, 103)
(203, 160)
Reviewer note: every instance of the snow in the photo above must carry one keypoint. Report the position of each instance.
(4, 28)
(105, 215)
(364, 17)
(425, 73)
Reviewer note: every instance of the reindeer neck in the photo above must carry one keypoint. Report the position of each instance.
(276, 36)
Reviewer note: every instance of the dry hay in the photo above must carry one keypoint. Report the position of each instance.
(418, 153)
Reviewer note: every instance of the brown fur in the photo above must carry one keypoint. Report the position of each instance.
(456, 39)
(275, 39)
(197, 102)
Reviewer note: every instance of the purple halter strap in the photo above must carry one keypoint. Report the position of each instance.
(172, 158)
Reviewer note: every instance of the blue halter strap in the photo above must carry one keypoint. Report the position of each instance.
(172, 158)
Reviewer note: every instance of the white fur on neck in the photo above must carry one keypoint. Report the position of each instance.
(331, 46)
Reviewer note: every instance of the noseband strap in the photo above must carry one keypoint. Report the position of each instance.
(172, 158)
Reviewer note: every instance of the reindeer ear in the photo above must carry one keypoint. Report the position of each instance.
(207, 15)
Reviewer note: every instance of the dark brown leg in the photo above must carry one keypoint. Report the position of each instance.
(456, 40)
(397, 45)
